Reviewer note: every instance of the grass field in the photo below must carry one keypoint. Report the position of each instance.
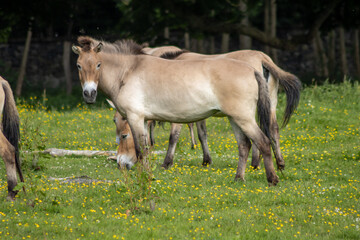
(317, 196)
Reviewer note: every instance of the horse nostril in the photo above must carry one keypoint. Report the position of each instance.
(93, 93)
(86, 93)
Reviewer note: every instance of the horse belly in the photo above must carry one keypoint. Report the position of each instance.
(183, 107)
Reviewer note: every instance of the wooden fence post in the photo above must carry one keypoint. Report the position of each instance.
(21, 76)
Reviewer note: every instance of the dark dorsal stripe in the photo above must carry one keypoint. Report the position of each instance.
(172, 55)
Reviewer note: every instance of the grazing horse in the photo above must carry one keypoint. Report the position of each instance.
(9, 137)
(144, 87)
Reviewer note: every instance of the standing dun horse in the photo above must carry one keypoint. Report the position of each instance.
(144, 87)
(9, 137)
(261, 62)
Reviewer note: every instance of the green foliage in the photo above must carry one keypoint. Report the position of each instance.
(317, 198)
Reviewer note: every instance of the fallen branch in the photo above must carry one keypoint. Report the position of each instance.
(55, 152)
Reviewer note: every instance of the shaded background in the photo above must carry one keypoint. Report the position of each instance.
(316, 40)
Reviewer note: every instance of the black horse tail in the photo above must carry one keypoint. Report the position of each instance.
(263, 105)
(11, 124)
(291, 85)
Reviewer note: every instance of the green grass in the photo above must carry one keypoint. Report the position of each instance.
(317, 197)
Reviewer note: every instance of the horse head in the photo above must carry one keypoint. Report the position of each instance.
(89, 66)
(126, 155)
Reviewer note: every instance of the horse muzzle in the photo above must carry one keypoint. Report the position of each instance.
(90, 96)
(124, 161)
(90, 92)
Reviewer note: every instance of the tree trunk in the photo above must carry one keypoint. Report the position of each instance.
(187, 41)
(167, 35)
(357, 52)
(200, 45)
(331, 53)
(212, 45)
(20, 79)
(66, 66)
(344, 68)
(273, 51)
(317, 68)
(244, 41)
(225, 42)
(267, 23)
(322, 56)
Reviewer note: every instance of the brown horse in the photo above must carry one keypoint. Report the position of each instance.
(145, 87)
(9, 137)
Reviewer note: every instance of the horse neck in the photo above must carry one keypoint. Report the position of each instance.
(115, 69)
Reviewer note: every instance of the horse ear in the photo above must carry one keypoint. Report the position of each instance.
(75, 49)
(111, 103)
(98, 47)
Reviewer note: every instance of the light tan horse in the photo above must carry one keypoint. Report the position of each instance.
(9, 137)
(145, 87)
(274, 76)
(175, 127)
(258, 60)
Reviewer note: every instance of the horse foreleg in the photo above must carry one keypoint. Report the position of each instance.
(244, 145)
(139, 132)
(174, 137)
(202, 135)
(193, 140)
(7, 152)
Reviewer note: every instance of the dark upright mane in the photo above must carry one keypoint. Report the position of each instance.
(172, 55)
(126, 46)
(85, 42)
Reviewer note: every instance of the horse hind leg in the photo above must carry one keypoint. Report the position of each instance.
(255, 159)
(7, 152)
(202, 135)
(276, 145)
(243, 147)
(252, 131)
(193, 140)
(174, 137)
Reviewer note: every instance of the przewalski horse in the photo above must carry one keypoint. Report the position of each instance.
(175, 127)
(9, 137)
(273, 75)
(144, 87)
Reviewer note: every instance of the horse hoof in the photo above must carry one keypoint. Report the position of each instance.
(166, 165)
(281, 166)
(238, 178)
(206, 164)
(255, 167)
(207, 161)
(273, 181)
(11, 196)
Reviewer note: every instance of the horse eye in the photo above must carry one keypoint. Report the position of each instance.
(114, 120)
(124, 136)
(78, 66)
(98, 66)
